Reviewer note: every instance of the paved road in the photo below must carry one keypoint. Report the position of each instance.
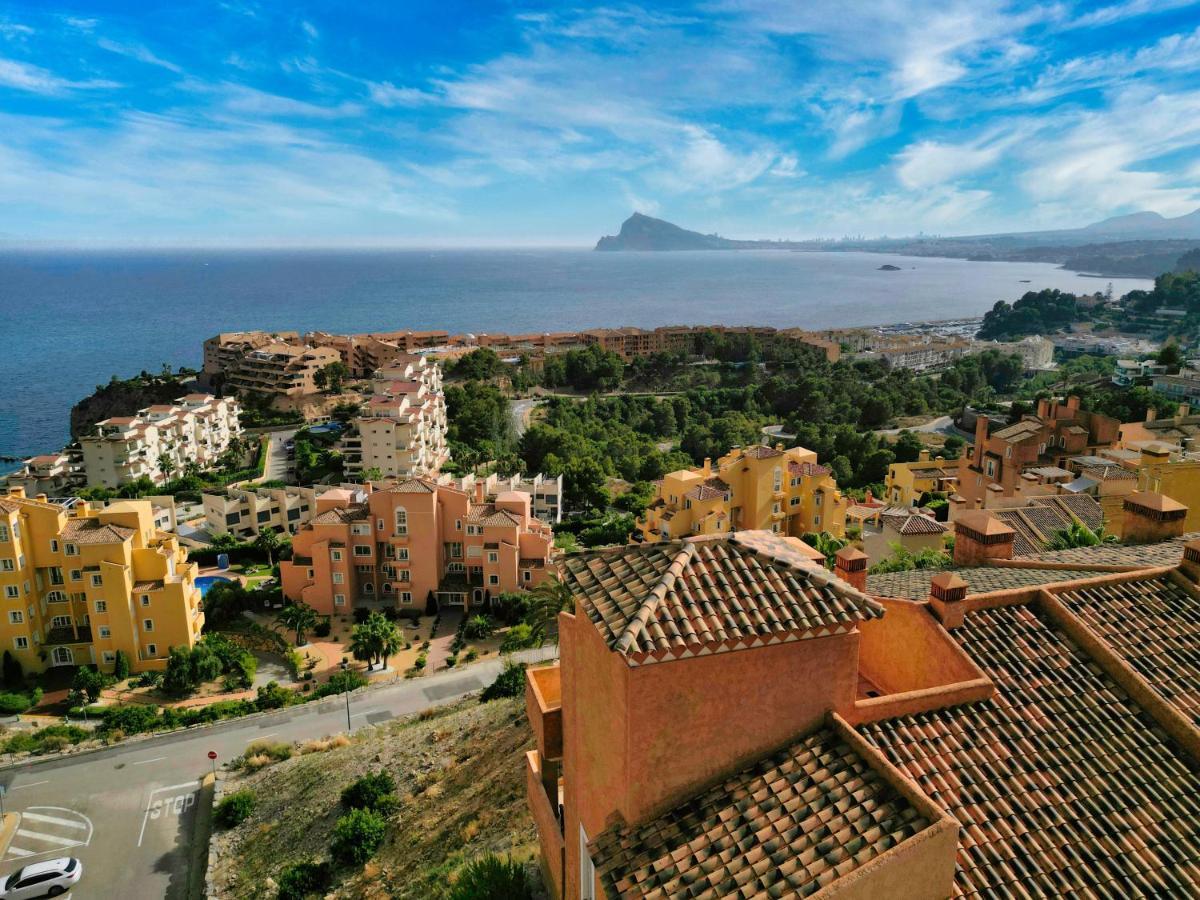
(128, 812)
(941, 425)
(520, 410)
(278, 465)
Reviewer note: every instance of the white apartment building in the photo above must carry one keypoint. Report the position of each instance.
(243, 512)
(159, 441)
(402, 431)
(545, 492)
(51, 474)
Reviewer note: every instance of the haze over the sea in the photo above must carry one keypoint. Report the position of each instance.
(77, 318)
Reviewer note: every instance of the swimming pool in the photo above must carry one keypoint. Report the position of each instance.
(328, 428)
(204, 582)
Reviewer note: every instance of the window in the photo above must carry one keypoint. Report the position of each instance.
(145, 599)
(454, 550)
(493, 556)
(56, 597)
(56, 575)
(528, 575)
(63, 656)
(405, 597)
(152, 650)
(70, 550)
(338, 578)
(147, 624)
(3, 532)
(402, 554)
(21, 643)
(387, 587)
(12, 592)
(816, 520)
(991, 468)
(16, 617)
(361, 528)
(105, 631)
(362, 550)
(335, 555)
(61, 622)
(401, 520)
(795, 501)
(493, 579)
(97, 581)
(101, 606)
(404, 575)
(778, 478)
(7, 565)
(775, 507)
(458, 524)
(1008, 451)
(368, 588)
(109, 656)
(263, 516)
(379, 524)
(76, 575)
(53, 545)
(339, 599)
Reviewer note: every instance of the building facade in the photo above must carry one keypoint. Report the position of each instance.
(244, 512)
(402, 543)
(160, 441)
(402, 430)
(79, 584)
(908, 482)
(544, 492)
(751, 488)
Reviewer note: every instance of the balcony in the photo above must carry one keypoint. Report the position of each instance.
(543, 706)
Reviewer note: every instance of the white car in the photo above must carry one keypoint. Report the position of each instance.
(44, 879)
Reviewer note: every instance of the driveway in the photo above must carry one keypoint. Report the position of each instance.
(278, 465)
(941, 425)
(128, 812)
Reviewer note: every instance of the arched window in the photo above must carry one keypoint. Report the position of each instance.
(401, 520)
(63, 656)
(368, 588)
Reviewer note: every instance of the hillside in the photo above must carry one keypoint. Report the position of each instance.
(125, 397)
(640, 232)
(460, 779)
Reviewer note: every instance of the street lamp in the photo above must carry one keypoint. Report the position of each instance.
(349, 727)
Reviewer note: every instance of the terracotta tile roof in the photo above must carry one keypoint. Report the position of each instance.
(917, 523)
(1018, 432)
(1109, 473)
(342, 514)
(411, 486)
(9, 506)
(670, 600)
(914, 585)
(704, 492)
(93, 531)
(1026, 541)
(1083, 506)
(141, 587)
(1155, 626)
(1060, 783)
(1166, 553)
(808, 469)
(783, 827)
(487, 514)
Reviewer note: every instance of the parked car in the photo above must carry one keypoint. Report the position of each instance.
(44, 879)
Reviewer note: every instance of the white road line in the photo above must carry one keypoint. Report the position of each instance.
(67, 823)
(150, 804)
(142, 762)
(19, 852)
(50, 838)
(265, 736)
(32, 784)
(174, 787)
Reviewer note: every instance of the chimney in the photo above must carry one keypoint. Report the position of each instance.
(1184, 410)
(850, 565)
(947, 591)
(923, 456)
(1191, 560)
(707, 466)
(479, 490)
(981, 433)
(1043, 409)
(41, 498)
(1150, 518)
(1151, 414)
(980, 537)
(1073, 402)
(17, 491)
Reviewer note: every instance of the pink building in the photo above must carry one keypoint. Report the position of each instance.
(401, 542)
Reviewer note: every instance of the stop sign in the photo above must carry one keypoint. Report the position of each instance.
(212, 754)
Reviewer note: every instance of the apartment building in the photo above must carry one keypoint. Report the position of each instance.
(545, 493)
(245, 511)
(281, 370)
(223, 352)
(402, 429)
(406, 541)
(53, 474)
(750, 488)
(728, 719)
(907, 482)
(79, 583)
(159, 441)
(1002, 455)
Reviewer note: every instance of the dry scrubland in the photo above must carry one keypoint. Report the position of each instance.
(460, 779)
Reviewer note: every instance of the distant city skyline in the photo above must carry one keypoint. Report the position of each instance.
(496, 124)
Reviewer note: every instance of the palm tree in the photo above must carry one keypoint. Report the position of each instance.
(1079, 536)
(375, 639)
(546, 601)
(826, 543)
(267, 542)
(166, 465)
(298, 617)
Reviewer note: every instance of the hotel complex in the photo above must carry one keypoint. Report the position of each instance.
(404, 542)
(768, 488)
(729, 719)
(80, 584)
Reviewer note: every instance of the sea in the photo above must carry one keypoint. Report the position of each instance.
(72, 319)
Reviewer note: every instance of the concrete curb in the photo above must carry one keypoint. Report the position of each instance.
(8, 827)
(200, 859)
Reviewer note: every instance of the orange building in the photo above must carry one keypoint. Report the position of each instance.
(730, 720)
(400, 543)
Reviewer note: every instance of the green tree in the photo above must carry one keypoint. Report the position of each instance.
(826, 543)
(267, 541)
(375, 640)
(357, 835)
(166, 465)
(1170, 356)
(550, 597)
(490, 877)
(86, 686)
(298, 617)
(1078, 535)
(332, 377)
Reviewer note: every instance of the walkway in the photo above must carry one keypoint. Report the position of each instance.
(439, 644)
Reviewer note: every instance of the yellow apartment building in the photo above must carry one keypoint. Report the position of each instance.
(906, 482)
(78, 584)
(751, 488)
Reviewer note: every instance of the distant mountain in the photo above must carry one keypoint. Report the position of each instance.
(640, 232)
(1147, 225)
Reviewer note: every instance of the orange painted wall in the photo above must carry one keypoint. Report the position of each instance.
(907, 650)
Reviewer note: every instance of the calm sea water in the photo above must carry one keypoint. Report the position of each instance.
(73, 319)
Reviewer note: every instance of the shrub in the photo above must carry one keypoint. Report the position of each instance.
(304, 879)
(131, 719)
(121, 666)
(21, 742)
(294, 662)
(420, 662)
(357, 835)
(509, 683)
(148, 679)
(491, 876)
(235, 808)
(14, 704)
(511, 607)
(322, 628)
(273, 696)
(478, 628)
(375, 792)
(519, 637)
(471, 656)
(276, 752)
(340, 682)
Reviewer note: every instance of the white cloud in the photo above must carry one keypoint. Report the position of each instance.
(27, 77)
(310, 29)
(1117, 12)
(14, 31)
(138, 52)
(384, 93)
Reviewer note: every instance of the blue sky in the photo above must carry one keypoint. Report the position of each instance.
(469, 123)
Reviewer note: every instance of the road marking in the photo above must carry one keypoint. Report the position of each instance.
(19, 852)
(265, 736)
(54, 820)
(33, 784)
(177, 804)
(48, 838)
(142, 762)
